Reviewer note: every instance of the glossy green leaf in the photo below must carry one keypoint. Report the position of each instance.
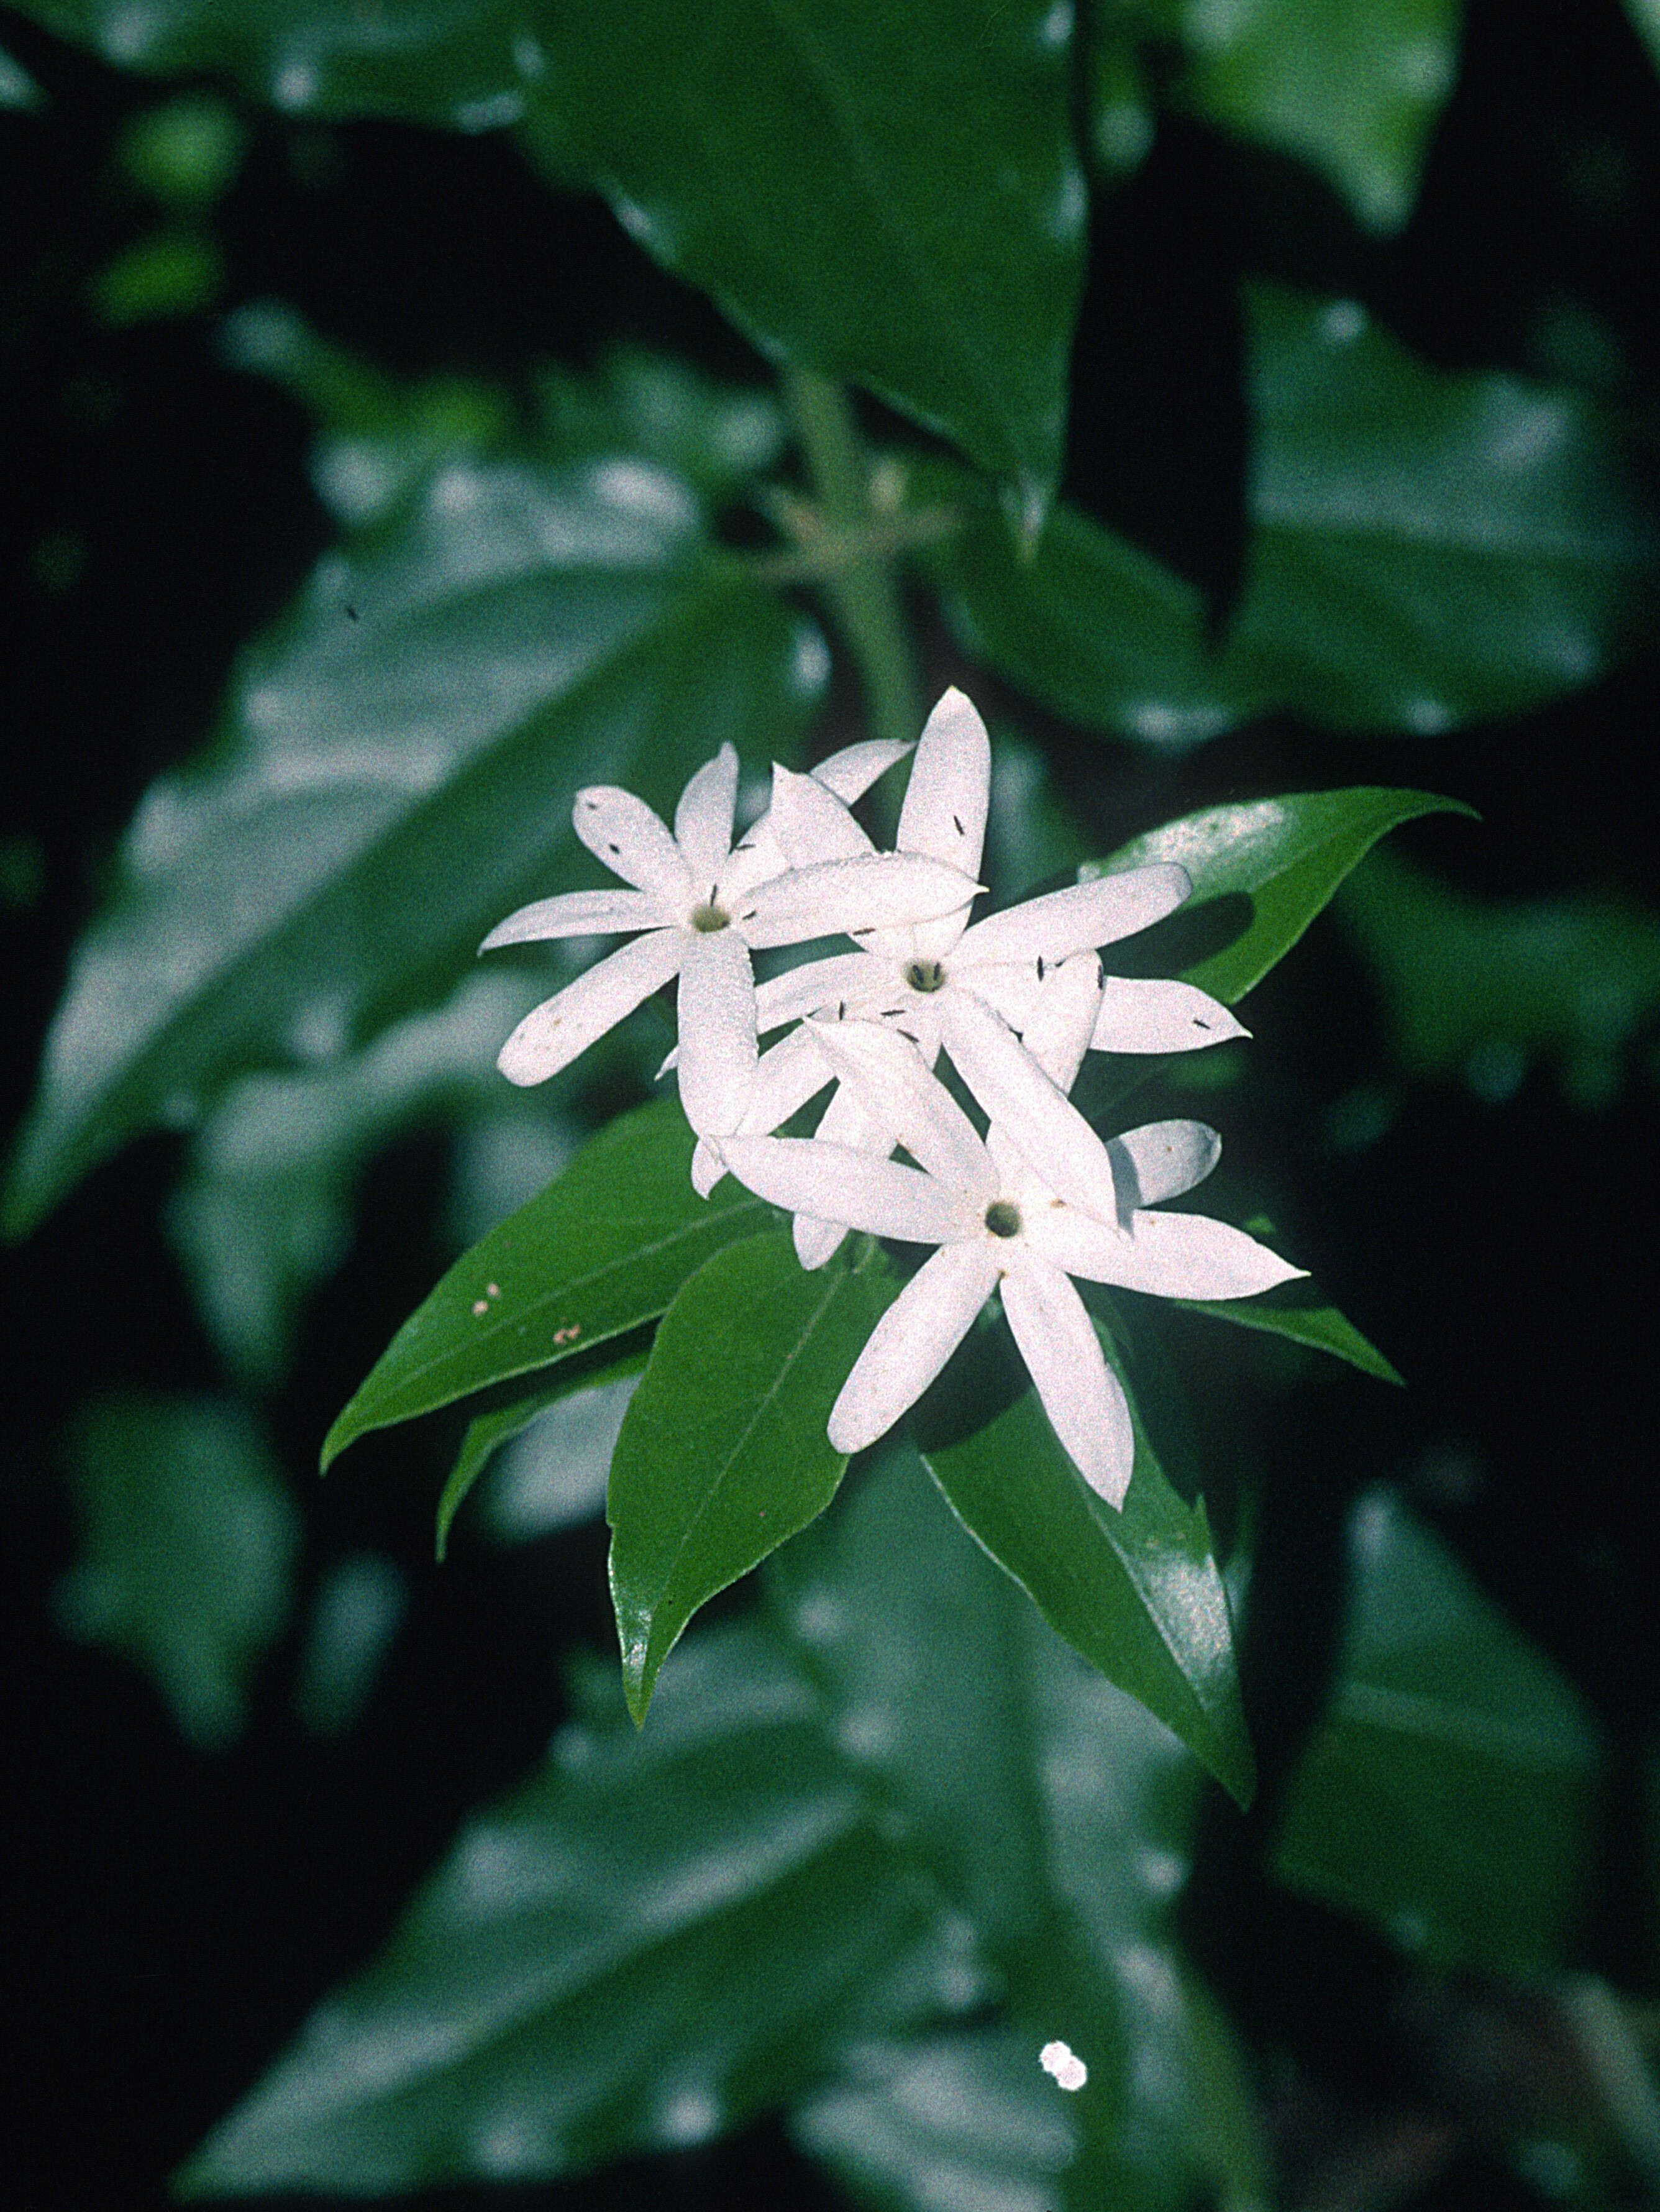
(1354, 90)
(187, 1538)
(563, 1480)
(265, 1210)
(1084, 623)
(890, 197)
(457, 62)
(1427, 547)
(1449, 1794)
(18, 90)
(1477, 989)
(1138, 1593)
(1645, 15)
(723, 1454)
(654, 1939)
(1057, 1815)
(1286, 856)
(602, 1250)
(1300, 1312)
(397, 775)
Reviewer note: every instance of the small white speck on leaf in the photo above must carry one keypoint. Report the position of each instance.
(1062, 2062)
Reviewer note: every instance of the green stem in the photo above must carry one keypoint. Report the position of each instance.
(862, 593)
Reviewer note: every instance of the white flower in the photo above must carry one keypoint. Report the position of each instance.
(919, 976)
(1000, 1226)
(969, 988)
(700, 908)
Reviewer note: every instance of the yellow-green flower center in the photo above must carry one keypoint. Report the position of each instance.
(1003, 1218)
(925, 975)
(708, 919)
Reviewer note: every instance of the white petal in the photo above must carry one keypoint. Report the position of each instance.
(1060, 1019)
(756, 859)
(579, 914)
(707, 1166)
(850, 896)
(552, 1034)
(933, 940)
(1038, 1120)
(811, 823)
(944, 815)
(787, 1076)
(845, 978)
(850, 773)
(703, 820)
(815, 1243)
(716, 1021)
(844, 1122)
(1010, 988)
(912, 1342)
(622, 830)
(1151, 1016)
(1160, 1160)
(1172, 1256)
(832, 1183)
(905, 1099)
(1079, 917)
(1082, 1396)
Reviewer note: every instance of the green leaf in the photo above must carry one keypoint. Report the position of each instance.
(723, 1454)
(1058, 1816)
(18, 90)
(1286, 856)
(653, 1940)
(396, 773)
(1084, 623)
(1476, 988)
(187, 1538)
(1449, 1794)
(264, 1209)
(577, 1491)
(1645, 16)
(1355, 91)
(1138, 1593)
(602, 1250)
(458, 62)
(885, 195)
(1427, 547)
(1302, 1312)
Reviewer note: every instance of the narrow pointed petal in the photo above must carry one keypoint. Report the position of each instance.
(1172, 1256)
(1079, 917)
(1161, 1160)
(816, 1242)
(912, 1342)
(832, 1183)
(622, 830)
(904, 1098)
(1061, 1018)
(811, 823)
(785, 1079)
(707, 1167)
(944, 815)
(848, 980)
(716, 1021)
(552, 1034)
(851, 896)
(850, 773)
(845, 1121)
(1036, 1118)
(1082, 1396)
(1151, 1016)
(934, 940)
(703, 820)
(579, 914)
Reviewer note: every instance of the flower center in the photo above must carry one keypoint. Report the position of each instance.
(1003, 1218)
(925, 975)
(708, 919)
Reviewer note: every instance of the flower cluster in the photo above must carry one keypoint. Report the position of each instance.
(1015, 1001)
